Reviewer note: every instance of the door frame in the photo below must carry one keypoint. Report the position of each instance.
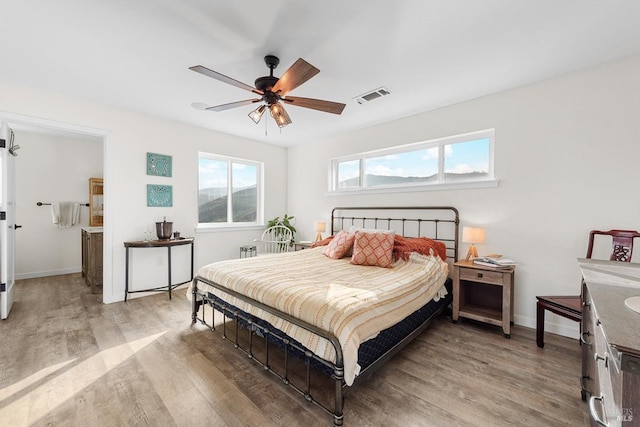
(107, 247)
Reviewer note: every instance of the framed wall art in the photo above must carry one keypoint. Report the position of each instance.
(158, 164)
(159, 195)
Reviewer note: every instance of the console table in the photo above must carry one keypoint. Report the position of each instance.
(156, 244)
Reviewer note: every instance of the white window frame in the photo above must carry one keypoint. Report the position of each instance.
(230, 224)
(439, 184)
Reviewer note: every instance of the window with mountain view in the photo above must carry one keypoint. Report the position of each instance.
(456, 160)
(228, 190)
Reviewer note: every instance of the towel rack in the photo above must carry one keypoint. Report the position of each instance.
(49, 204)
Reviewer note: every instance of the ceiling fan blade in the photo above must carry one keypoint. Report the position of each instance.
(298, 73)
(231, 105)
(200, 105)
(221, 77)
(315, 104)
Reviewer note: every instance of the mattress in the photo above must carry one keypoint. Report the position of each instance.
(353, 303)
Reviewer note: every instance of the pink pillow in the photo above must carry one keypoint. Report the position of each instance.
(374, 249)
(339, 245)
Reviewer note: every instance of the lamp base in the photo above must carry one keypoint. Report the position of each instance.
(473, 253)
(318, 237)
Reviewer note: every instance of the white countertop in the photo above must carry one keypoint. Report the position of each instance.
(613, 273)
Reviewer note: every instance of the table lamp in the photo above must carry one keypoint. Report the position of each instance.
(319, 227)
(472, 235)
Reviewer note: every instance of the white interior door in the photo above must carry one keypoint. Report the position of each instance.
(7, 223)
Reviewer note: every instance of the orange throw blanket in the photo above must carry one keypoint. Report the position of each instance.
(403, 246)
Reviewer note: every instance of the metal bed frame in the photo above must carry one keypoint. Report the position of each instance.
(415, 220)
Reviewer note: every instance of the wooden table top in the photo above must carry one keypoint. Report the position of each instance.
(158, 243)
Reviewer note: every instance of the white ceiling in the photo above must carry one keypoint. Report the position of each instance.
(431, 53)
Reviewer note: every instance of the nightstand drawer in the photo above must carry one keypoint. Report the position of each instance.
(483, 276)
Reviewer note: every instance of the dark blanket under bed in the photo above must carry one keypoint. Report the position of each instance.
(368, 352)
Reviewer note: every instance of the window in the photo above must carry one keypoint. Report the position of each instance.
(229, 191)
(461, 160)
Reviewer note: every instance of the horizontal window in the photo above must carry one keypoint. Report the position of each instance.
(229, 191)
(445, 162)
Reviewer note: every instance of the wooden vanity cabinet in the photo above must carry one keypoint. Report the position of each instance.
(92, 258)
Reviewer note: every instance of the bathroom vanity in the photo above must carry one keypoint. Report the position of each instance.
(611, 342)
(92, 258)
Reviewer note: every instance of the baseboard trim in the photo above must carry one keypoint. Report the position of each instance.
(36, 274)
(553, 324)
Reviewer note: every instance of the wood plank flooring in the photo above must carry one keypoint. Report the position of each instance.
(66, 359)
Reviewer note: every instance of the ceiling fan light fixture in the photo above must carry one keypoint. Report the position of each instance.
(256, 114)
(280, 115)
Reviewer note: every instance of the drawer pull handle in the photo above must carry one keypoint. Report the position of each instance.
(597, 357)
(583, 387)
(480, 275)
(584, 340)
(594, 413)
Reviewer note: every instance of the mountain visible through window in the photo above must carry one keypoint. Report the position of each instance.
(457, 159)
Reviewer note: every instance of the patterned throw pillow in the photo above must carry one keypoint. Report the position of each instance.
(374, 249)
(339, 245)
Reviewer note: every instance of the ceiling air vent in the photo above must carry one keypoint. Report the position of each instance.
(370, 96)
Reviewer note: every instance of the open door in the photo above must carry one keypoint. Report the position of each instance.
(7, 221)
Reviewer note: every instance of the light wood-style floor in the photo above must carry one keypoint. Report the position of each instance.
(66, 359)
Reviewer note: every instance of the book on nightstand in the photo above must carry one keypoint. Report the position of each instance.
(494, 262)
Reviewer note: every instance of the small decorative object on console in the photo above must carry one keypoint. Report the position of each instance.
(164, 229)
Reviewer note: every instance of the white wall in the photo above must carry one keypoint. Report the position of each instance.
(128, 137)
(51, 168)
(567, 156)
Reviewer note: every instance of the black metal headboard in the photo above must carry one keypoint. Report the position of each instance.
(435, 222)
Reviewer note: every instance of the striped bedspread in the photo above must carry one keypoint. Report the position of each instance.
(354, 303)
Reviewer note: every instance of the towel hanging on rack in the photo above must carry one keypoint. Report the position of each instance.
(65, 214)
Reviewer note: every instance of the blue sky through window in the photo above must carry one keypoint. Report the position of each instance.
(468, 159)
(213, 174)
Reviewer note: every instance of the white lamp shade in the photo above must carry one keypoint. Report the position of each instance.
(319, 226)
(473, 235)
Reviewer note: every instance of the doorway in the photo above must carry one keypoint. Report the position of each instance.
(47, 148)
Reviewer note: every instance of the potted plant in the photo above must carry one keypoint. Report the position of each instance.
(285, 221)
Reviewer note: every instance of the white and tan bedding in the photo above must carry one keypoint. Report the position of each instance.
(352, 302)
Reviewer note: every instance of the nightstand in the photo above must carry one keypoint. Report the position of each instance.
(300, 246)
(484, 294)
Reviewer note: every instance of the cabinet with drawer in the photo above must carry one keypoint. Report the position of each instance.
(92, 257)
(484, 294)
(589, 380)
(611, 345)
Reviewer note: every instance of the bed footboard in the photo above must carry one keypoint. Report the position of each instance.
(256, 328)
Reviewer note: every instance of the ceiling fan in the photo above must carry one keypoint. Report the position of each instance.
(273, 91)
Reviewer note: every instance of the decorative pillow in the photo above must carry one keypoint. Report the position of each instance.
(339, 245)
(374, 249)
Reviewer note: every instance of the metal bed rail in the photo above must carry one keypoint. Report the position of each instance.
(199, 300)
